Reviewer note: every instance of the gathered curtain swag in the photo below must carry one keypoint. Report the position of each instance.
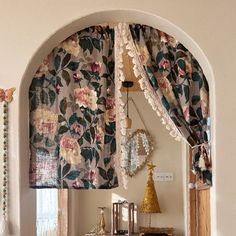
(172, 73)
(77, 114)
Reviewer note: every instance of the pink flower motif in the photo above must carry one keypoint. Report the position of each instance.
(172, 41)
(71, 45)
(76, 184)
(143, 55)
(76, 77)
(70, 150)
(96, 67)
(92, 174)
(109, 91)
(186, 112)
(68, 143)
(85, 97)
(110, 116)
(163, 37)
(166, 89)
(181, 72)
(164, 64)
(163, 83)
(99, 135)
(58, 88)
(47, 127)
(110, 103)
(77, 128)
(45, 121)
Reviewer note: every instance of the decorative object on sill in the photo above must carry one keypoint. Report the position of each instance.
(127, 85)
(138, 149)
(6, 96)
(150, 202)
(99, 228)
(118, 215)
(102, 224)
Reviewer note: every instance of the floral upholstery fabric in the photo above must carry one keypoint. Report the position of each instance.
(179, 82)
(72, 114)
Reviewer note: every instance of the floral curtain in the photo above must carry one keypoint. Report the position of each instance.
(72, 114)
(177, 80)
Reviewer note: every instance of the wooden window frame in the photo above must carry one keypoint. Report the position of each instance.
(63, 212)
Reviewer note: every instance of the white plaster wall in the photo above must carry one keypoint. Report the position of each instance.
(167, 156)
(26, 25)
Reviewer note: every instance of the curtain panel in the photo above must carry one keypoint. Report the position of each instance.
(72, 114)
(177, 80)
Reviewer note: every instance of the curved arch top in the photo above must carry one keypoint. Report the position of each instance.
(134, 16)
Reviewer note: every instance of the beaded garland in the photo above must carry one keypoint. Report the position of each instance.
(5, 164)
(6, 97)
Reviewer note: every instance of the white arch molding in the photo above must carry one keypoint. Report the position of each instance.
(27, 196)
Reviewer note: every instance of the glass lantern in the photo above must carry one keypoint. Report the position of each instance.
(122, 218)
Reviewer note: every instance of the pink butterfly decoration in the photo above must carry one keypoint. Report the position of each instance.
(6, 94)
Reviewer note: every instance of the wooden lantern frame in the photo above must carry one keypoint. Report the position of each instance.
(116, 206)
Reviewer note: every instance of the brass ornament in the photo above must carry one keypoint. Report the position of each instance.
(150, 202)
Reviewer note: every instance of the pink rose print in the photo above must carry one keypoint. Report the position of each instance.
(163, 37)
(110, 116)
(186, 112)
(70, 150)
(58, 88)
(181, 72)
(76, 128)
(109, 91)
(99, 135)
(76, 184)
(110, 103)
(164, 64)
(166, 88)
(92, 175)
(71, 45)
(96, 67)
(47, 127)
(76, 77)
(85, 97)
(45, 121)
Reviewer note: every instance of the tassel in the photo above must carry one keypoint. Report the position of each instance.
(4, 229)
(201, 163)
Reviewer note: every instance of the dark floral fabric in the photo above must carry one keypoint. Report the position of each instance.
(72, 114)
(178, 80)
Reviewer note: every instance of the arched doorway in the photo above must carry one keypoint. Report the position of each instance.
(27, 196)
